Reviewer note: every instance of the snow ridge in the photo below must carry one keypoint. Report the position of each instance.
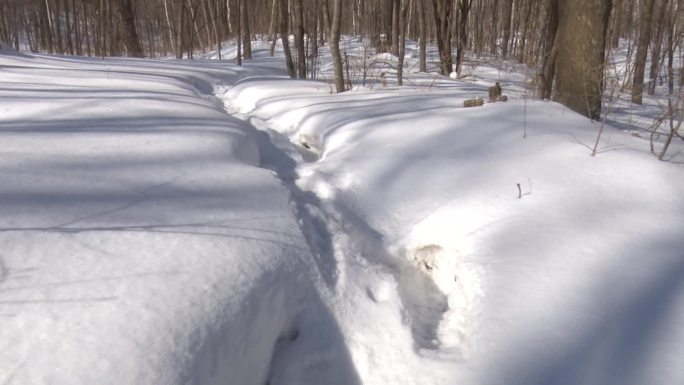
(437, 297)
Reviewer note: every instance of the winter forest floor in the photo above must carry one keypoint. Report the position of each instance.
(197, 222)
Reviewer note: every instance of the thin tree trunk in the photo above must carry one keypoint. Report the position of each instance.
(169, 28)
(402, 42)
(285, 37)
(642, 51)
(335, 45)
(506, 27)
(238, 21)
(299, 38)
(495, 23)
(272, 35)
(464, 9)
(671, 36)
(659, 22)
(246, 29)
(68, 16)
(396, 9)
(423, 34)
(617, 23)
(550, 52)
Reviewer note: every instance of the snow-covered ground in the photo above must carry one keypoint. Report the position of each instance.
(175, 222)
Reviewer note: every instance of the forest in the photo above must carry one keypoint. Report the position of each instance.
(341, 192)
(566, 40)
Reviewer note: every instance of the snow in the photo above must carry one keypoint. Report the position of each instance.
(139, 238)
(196, 222)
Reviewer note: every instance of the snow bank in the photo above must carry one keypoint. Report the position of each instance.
(141, 244)
(370, 237)
(577, 282)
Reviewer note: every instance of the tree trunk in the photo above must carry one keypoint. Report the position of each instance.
(423, 34)
(642, 50)
(335, 45)
(581, 53)
(494, 26)
(326, 16)
(272, 34)
(128, 29)
(285, 37)
(550, 52)
(442, 10)
(617, 23)
(169, 28)
(507, 13)
(46, 27)
(299, 38)
(671, 37)
(396, 9)
(246, 30)
(402, 42)
(239, 27)
(464, 9)
(659, 22)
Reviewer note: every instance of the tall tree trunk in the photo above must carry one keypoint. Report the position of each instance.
(246, 29)
(46, 39)
(402, 42)
(167, 18)
(69, 32)
(335, 45)
(272, 34)
(219, 28)
(581, 41)
(396, 9)
(77, 29)
(463, 10)
(617, 23)
(443, 14)
(550, 51)
(299, 38)
(495, 24)
(240, 33)
(313, 38)
(128, 29)
(423, 34)
(285, 37)
(326, 16)
(506, 27)
(671, 37)
(659, 22)
(179, 31)
(642, 51)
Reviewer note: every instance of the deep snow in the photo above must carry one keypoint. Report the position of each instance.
(155, 233)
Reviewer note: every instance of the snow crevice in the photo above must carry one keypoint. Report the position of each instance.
(340, 240)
